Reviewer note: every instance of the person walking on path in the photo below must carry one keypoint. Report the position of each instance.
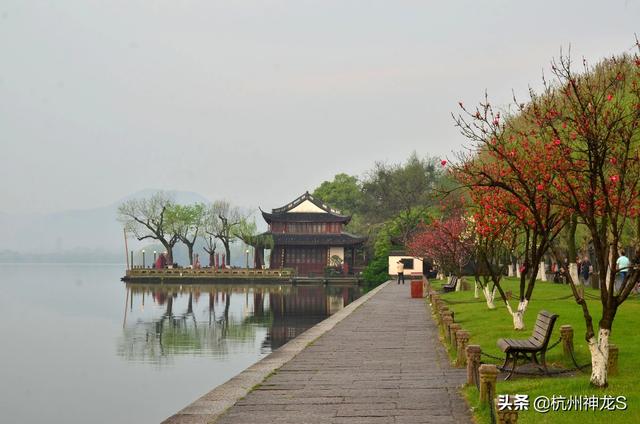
(622, 265)
(400, 271)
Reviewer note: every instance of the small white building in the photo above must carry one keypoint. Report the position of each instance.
(411, 264)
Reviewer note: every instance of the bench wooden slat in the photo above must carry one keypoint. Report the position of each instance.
(450, 286)
(539, 338)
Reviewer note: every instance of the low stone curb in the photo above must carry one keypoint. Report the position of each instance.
(210, 406)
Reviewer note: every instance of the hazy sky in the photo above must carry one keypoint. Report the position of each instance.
(258, 101)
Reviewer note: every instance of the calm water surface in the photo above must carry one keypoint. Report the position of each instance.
(79, 346)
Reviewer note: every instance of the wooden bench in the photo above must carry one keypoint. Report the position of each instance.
(451, 285)
(534, 345)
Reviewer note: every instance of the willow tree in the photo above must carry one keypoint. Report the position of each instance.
(186, 222)
(247, 231)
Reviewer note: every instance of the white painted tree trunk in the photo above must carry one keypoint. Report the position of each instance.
(542, 272)
(517, 269)
(512, 271)
(518, 315)
(476, 291)
(599, 358)
(459, 284)
(573, 271)
(489, 297)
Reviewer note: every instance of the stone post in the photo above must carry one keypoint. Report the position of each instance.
(566, 334)
(444, 310)
(453, 328)
(462, 338)
(444, 314)
(508, 415)
(613, 359)
(488, 377)
(446, 322)
(473, 362)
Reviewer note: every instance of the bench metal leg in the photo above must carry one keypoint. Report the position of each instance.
(513, 368)
(506, 360)
(543, 360)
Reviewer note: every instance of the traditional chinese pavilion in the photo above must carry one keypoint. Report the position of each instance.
(307, 233)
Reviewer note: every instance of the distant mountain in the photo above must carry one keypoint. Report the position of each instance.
(90, 233)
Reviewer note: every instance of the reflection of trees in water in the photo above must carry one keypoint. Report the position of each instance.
(211, 328)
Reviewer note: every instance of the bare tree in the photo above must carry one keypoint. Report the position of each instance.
(210, 246)
(147, 219)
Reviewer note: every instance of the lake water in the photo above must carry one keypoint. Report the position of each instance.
(80, 346)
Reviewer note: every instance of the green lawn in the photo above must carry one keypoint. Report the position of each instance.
(486, 326)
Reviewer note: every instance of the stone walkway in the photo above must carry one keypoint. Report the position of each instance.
(381, 364)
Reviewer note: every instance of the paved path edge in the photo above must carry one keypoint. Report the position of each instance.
(214, 403)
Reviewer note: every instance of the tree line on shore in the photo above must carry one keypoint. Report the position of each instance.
(159, 218)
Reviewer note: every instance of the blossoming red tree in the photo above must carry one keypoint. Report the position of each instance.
(573, 150)
(446, 241)
(511, 173)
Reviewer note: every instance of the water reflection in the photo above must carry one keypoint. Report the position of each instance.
(161, 322)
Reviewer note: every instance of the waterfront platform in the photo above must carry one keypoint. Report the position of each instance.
(228, 275)
(378, 360)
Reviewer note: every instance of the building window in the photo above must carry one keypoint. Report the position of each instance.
(408, 263)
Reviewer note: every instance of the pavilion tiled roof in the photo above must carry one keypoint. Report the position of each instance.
(335, 239)
(304, 217)
(282, 213)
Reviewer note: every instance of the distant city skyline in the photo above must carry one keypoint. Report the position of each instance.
(259, 101)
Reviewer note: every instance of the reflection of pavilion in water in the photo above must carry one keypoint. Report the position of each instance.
(221, 320)
(294, 313)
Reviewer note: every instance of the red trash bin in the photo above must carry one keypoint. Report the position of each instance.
(416, 289)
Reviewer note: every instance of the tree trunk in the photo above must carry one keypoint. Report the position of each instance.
(190, 249)
(573, 271)
(518, 315)
(571, 240)
(476, 292)
(542, 271)
(599, 358)
(212, 259)
(258, 257)
(489, 296)
(610, 266)
(227, 250)
(169, 250)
